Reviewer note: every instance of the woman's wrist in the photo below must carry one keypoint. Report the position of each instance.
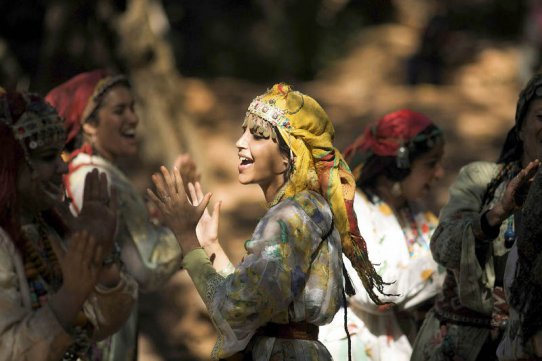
(65, 306)
(188, 241)
(212, 247)
(109, 276)
(496, 215)
(488, 231)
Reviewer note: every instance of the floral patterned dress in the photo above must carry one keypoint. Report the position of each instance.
(292, 272)
(399, 246)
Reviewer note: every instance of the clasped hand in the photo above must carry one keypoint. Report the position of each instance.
(98, 214)
(178, 212)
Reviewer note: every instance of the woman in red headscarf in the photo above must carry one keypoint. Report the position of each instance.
(99, 113)
(395, 161)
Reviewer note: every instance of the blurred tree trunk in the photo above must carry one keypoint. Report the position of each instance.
(129, 37)
(413, 13)
(148, 56)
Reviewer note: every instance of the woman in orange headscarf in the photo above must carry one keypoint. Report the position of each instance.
(99, 113)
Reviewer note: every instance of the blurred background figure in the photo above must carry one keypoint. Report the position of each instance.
(98, 109)
(396, 161)
(58, 296)
(522, 337)
(427, 64)
(476, 231)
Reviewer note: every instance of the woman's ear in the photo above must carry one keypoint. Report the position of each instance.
(89, 129)
(285, 161)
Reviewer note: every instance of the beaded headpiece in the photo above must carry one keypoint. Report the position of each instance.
(33, 121)
(270, 113)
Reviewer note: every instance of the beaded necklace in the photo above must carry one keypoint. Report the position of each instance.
(44, 276)
(42, 269)
(278, 197)
(415, 236)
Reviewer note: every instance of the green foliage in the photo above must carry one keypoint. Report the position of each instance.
(261, 40)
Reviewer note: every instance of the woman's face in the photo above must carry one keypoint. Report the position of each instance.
(531, 132)
(261, 161)
(425, 171)
(41, 187)
(114, 132)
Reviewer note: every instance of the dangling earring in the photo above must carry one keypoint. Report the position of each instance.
(402, 158)
(396, 189)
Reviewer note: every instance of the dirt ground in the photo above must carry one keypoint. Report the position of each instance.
(475, 108)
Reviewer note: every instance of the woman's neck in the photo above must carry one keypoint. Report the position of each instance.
(271, 190)
(98, 150)
(386, 190)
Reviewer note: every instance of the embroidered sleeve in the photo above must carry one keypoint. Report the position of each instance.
(455, 246)
(460, 218)
(228, 270)
(204, 276)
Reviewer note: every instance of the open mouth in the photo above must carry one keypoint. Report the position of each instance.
(129, 133)
(245, 161)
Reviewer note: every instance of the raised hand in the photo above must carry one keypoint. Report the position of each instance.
(207, 228)
(99, 212)
(514, 195)
(517, 189)
(177, 211)
(81, 265)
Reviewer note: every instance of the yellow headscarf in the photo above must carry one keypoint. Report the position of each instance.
(308, 132)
